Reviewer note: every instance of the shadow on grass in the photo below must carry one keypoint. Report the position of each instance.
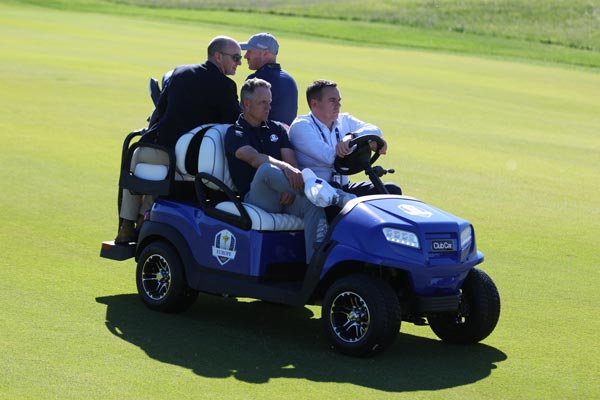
(257, 341)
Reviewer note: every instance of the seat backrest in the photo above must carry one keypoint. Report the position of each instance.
(210, 154)
(188, 153)
(187, 144)
(212, 159)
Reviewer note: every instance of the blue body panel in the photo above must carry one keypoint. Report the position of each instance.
(360, 237)
(356, 235)
(223, 247)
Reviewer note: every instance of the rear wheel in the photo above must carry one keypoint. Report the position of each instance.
(161, 281)
(361, 315)
(478, 313)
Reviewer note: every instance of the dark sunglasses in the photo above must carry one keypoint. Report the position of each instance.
(234, 57)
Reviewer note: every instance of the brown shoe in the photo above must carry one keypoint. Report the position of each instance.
(127, 233)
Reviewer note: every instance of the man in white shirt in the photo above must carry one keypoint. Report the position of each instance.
(320, 136)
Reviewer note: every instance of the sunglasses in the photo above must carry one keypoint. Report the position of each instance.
(234, 57)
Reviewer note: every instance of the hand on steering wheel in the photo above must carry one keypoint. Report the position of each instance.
(342, 149)
(361, 157)
(382, 150)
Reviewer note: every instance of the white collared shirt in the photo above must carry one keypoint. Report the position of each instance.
(315, 143)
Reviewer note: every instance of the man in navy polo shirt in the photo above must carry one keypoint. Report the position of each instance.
(264, 169)
(261, 54)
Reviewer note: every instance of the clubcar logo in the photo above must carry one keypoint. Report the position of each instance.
(442, 245)
(416, 211)
(224, 248)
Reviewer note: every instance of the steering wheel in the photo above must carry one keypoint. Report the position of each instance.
(361, 158)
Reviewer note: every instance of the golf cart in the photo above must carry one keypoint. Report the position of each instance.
(385, 259)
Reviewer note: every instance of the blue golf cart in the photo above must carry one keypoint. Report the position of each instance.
(385, 259)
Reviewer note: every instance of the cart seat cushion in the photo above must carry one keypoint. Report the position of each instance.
(151, 172)
(264, 221)
(195, 154)
(212, 160)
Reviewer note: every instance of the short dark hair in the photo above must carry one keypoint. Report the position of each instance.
(315, 89)
(250, 86)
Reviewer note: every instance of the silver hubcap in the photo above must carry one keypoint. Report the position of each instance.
(156, 277)
(349, 317)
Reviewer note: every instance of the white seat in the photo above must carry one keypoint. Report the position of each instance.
(212, 160)
(181, 149)
(151, 172)
(264, 221)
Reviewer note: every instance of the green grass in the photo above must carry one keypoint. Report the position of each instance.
(575, 23)
(540, 30)
(511, 146)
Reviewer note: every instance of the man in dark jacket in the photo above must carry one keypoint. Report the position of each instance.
(194, 95)
(201, 93)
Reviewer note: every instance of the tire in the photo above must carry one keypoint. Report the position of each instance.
(361, 315)
(161, 281)
(478, 314)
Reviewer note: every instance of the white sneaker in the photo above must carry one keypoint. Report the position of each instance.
(318, 191)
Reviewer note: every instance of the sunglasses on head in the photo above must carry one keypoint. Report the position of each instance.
(234, 57)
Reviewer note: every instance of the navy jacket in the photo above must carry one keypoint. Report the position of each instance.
(196, 95)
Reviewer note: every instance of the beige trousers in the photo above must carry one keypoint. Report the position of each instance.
(133, 205)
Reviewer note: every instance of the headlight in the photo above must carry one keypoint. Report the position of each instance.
(466, 237)
(404, 238)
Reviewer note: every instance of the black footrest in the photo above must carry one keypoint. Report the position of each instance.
(118, 252)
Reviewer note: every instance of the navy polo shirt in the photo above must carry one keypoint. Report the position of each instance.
(269, 139)
(284, 92)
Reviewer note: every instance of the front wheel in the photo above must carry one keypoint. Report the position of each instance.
(478, 313)
(161, 280)
(361, 315)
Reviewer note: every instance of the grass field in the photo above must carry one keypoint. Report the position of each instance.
(575, 23)
(533, 30)
(512, 146)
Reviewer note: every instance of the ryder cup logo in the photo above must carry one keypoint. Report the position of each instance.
(224, 248)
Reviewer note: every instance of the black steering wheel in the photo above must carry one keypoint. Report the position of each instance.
(361, 158)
